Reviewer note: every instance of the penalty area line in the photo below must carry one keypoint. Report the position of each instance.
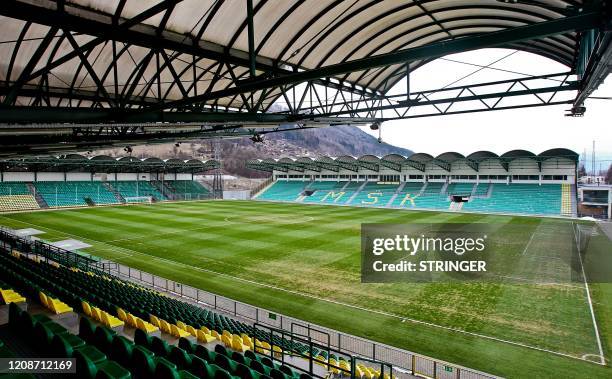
(402, 318)
(588, 292)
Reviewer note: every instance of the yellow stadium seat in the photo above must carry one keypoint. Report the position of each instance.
(227, 334)
(164, 326)
(131, 320)
(205, 338)
(266, 347)
(154, 320)
(277, 351)
(191, 330)
(86, 308)
(146, 327)
(206, 330)
(246, 340)
(259, 346)
(333, 366)
(58, 307)
(178, 332)
(122, 315)
(215, 334)
(43, 299)
(237, 344)
(226, 341)
(111, 321)
(95, 313)
(181, 325)
(10, 296)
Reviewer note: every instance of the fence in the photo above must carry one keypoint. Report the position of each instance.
(404, 362)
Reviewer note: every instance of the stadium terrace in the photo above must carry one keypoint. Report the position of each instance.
(138, 242)
(516, 182)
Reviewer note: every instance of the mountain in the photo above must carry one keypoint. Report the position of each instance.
(338, 140)
(331, 141)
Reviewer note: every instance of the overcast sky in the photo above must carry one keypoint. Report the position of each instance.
(534, 129)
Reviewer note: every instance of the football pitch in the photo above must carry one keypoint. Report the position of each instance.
(304, 261)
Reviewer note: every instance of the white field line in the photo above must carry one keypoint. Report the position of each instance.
(116, 249)
(387, 314)
(529, 243)
(588, 292)
(536, 282)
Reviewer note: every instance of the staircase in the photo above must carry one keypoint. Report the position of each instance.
(356, 192)
(423, 189)
(574, 197)
(566, 200)
(473, 193)
(444, 189)
(116, 193)
(164, 189)
(37, 196)
(489, 191)
(170, 192)
(397, 192)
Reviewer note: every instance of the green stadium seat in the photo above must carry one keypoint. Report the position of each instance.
(121, 350)
(142, 362)
(180, 358)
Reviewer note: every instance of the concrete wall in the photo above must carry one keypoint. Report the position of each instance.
(50, 177)
(18, 176)
(86, 176)
(127, 176)
(183, 176)
(76, 176)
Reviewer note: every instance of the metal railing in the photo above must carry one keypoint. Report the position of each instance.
(404, 363)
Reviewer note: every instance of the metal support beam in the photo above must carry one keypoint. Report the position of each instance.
(44, 115)
(144, 36)
(580, 21)
(251, 36)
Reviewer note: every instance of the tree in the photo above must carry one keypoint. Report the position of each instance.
(581, 171)
(609, 175)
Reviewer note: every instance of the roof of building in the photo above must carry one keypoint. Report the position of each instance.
(396, 162)
(104, 163)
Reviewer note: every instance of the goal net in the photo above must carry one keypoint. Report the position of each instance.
(139, 199)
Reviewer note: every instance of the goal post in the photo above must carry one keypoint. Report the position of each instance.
(139, 199)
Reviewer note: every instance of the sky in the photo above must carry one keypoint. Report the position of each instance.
(533, 129)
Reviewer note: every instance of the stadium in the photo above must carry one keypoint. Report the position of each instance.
(165, 213)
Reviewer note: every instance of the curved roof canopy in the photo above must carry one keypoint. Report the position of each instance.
(288, 35)
(396, 161)
(106, 164)
(79, 74)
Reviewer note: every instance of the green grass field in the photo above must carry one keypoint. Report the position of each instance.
(304, 261)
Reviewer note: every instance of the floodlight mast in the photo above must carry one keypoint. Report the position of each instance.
(218, 171)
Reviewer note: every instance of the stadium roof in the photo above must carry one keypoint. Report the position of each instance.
(295, 34)
(165, 64)
(104, 163)
(396, 162)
